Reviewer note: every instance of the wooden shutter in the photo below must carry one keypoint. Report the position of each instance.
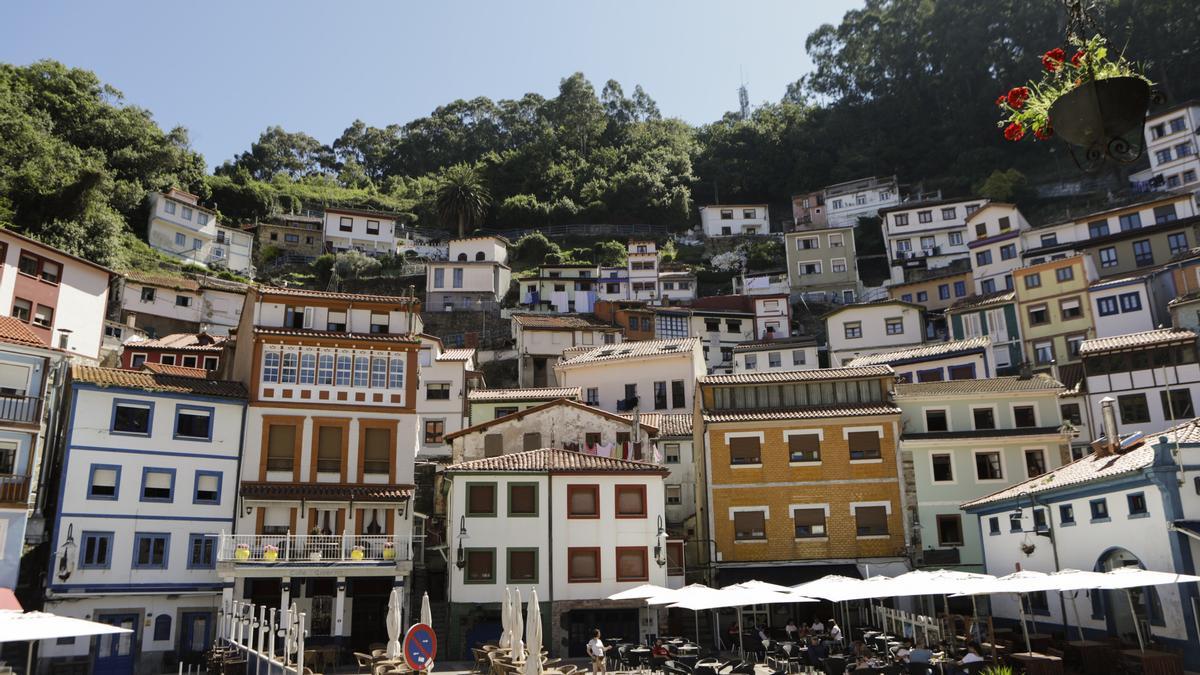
(749, 525)
(804, 447)
(493, 445)
(744, 450)
(864, 444)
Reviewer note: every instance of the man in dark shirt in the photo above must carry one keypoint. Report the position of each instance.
(817, 651)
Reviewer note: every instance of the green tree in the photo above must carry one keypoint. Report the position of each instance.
(610, 253)
(462, 197)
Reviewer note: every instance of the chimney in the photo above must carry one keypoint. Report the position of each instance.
(1110, 442)
(1026, 371)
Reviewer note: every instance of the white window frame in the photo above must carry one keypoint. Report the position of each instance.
(975, 452)
(887, 507)
(925, 418)
(792, 508)
(801, 263)
(953, 468)
(1045, 460)
(1012, 413)
(746, 434)
(765, 510)
(990, 406)
(878, 428)
(819, 433)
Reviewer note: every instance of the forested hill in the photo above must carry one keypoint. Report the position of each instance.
(900, 86)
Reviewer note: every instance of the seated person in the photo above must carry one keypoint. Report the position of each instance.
(817, 652)
(792, 631)
(817, 627)
(859, 650)
(972, 656)
(903, 650)
(659, 654)
(920, 654)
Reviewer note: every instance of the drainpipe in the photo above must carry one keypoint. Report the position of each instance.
(550, 543)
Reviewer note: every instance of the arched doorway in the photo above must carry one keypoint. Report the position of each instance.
(1121, 611)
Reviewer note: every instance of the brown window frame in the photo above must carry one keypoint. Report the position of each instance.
(594, 489)
(592, 551)
(640, 490)
(953, 517)
(642, 552)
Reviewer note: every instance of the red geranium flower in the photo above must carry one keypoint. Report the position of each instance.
(1043, 133)
(1002, 99)
(1054, 58)
(1014, 132)
(1077, 59)
(1016, 96)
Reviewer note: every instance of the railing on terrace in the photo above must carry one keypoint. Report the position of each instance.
(14, 488)
(266, 549)
(20, 409)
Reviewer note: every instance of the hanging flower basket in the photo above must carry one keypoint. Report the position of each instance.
(1091, 100)
(1028, 548)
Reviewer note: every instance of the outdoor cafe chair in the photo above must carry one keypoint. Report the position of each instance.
(364, 662)
(834, 665)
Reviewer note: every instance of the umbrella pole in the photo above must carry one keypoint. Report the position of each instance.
(1133, 615)
(1078, 622)
(29, 658)
(1024, 628)
(696, 623)
(741, 634)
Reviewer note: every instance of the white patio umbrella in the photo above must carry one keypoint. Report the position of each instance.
(936, 582)
(1020, 583)
(739, 596)
(668, 596)
(427, 619)
(533, 636)
(393, 625)
(18, 626)
(639, 592)
(518, 628)
(1128, 578)
(839, 589)
(505, 619)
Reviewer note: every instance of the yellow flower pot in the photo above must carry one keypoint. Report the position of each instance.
(356, 555)
(389, 554)
(270, 556)
(242, 554)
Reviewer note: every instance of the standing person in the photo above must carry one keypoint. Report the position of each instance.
(596, 649)
(835, 633)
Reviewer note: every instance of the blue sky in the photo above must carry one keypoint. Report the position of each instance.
(227, 70)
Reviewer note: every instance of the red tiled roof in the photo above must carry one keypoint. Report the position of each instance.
(328, 295)
(334, 335)
(729, 303)
(991, 385)
(19, 333)
(923, 352)
(801, 413)
(633, 350)
(669, 425)
(463, 354)
(184, 342)
(560, 322)
(179, 371)
(1149, 338)
(162, 280)
(553, 460)
(812, 375)
(148, 381)
(326, 491)
(532, 394)
(545, 406)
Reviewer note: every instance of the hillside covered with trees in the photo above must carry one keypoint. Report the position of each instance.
(899, 86)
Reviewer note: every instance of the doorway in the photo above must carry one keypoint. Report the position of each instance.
(613, 623)
(115, 653)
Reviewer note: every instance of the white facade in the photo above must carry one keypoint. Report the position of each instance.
(994, 239)
(725, 220)
(776, 356)
(661, 373)
(846, 202)
(642, 267)
(677, 286)
(62, 298)
(933, 232)
(363, 231)
(181, 228)
(441, 397)
(1122, 306)
(1171, 147)
(721, 332)
(869, 328)
(1138, 371)
(772, 317)
(541, 340)
(233, 248)
(1157, 210)
(149, 481)
(479, 249)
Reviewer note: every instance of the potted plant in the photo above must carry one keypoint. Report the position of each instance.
(242, 552)
(1090, 99)
(389, 550)
(1028, 548)
(270, 553)
(356, 553)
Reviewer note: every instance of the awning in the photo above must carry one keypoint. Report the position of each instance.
(1189, 527)
(784, 575)
(333, 492)
(26, 626)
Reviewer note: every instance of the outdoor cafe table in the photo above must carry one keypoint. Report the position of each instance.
(1095, 657)
(1038, 664)
(1154, 662)
(1039, 641)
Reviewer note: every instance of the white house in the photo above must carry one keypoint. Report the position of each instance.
(926, 235)
(778, 355)
(642, 267)
(870, 327)
(653, 375)
(181, 228)
(1153, 375)
(1129, 504)
(994, 239)
(846, 202)
(148, 483)
(1125, 305)
(476, 276)
(60, 297)
(1171, 147)
(573, 526)
(441, 398)
(487, 404)
(541, 339)
(725, 220)
(935, 361)
(369, 232)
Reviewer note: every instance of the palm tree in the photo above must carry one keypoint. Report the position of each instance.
(462, 196)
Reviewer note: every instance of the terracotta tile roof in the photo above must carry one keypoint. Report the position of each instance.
(777, 343)
(814, 375)
(993, 385)
(559, 322)
(328, 295)
(333, 335)
(18, 332)
(924, 352)
(326, 492)
(184, 342)
(163, 280)
(48, 249)
(534, 394)
(819, 412)
(148, 381)
(981, 301)
(1072, 378)
(218, 284)
(179, 371)
(1110, 283)
(572, 352)
(1149, 338)
(521, 414)
(461, 354)
(1092, 468)
(632, 350)
(553, 460)
(873, 303)
(676, 275)
(670, 425)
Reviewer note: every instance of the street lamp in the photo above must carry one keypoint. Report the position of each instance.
(660, 544)
(460, 556)
(66, 555)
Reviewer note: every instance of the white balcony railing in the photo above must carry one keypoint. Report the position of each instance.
(267, 549)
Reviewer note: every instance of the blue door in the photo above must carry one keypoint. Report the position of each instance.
(115, 653)
(195, 637)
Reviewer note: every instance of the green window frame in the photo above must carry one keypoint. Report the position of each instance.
(537, 507)
(467, 580)
(508, 578)
(467, 499)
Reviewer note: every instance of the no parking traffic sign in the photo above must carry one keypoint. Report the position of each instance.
(420, 646)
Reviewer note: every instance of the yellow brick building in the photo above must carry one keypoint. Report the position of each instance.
(800, 474)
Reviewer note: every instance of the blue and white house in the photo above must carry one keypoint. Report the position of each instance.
(1129, 504)
(148, 483)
